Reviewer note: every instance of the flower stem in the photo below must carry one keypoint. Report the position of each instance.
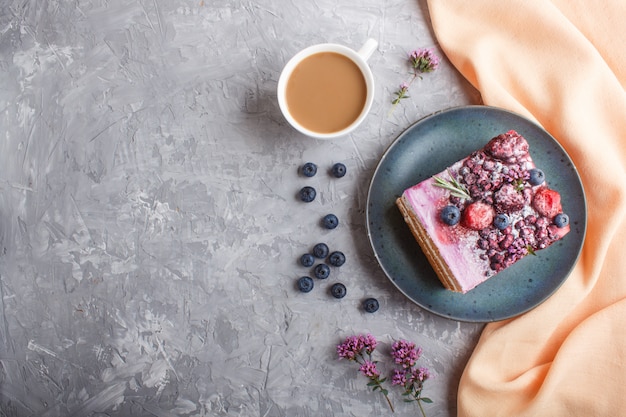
(421, 408)
(401, 94)
(391, 405)
(393, 107)
(377, 384)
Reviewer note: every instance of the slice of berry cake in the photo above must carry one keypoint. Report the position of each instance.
(484, 213)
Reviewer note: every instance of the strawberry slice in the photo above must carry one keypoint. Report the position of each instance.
(478, 215)
(547, 202)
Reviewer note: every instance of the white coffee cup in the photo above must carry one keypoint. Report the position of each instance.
(359, 57)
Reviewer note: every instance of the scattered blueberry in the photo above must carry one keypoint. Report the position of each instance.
(305, 284)
(307, 194)
(338, 290)
(330, 221)
(339, 170)
(321, 271)
(320, 250)
(307, 260)
(309, 169)
(337, 258)
(501, 221)
(370, 305)
(561, 220)
(536, 176)
(450, 215)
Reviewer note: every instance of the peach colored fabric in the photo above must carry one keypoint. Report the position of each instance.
(563, 64)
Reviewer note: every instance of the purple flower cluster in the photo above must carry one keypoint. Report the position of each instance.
(354, 346)
(413, 376)
(409, 376)
(406, 377)
(368, 368)
(359, 349)
(404, 354)
(424, 60)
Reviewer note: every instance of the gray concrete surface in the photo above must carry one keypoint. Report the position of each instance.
(149, 226)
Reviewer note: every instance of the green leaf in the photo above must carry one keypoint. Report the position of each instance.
(426, 400)
(453, 185)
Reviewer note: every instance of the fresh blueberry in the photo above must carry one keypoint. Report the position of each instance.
(321, 271)
(370, 305)
(501, 221)
(561, 220)
(307, 260)
(536, 176)
(309, 169)
(320, 250)
(337, 258)
(305, 284)
(307, 194)
(339, 170)
(338, 290)
(450, 215)
(330, 221)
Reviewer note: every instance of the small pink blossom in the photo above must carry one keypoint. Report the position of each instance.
(350, 348)
(405, 353)
(354, 346)
(420, 375)
(401, 93)
(399, 377)
(368, 368)
(424, 60)
(359, 349)
(369, 343)
(421, 60)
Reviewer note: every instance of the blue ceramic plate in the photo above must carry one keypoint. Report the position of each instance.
(426, 148)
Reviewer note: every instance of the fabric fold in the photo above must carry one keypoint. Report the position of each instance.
(562, 64)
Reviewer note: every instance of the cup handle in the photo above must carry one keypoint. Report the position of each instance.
(368, 49)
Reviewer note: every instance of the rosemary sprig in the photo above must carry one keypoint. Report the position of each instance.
(454, 186)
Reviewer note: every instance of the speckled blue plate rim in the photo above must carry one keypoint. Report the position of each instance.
(427, 147)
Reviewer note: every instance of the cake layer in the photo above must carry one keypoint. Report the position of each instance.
(483, 213)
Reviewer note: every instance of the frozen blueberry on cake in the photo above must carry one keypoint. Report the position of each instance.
(484, 213)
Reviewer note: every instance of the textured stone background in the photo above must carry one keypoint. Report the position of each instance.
(149, 227)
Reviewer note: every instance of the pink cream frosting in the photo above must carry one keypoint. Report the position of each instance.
(457, 245)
